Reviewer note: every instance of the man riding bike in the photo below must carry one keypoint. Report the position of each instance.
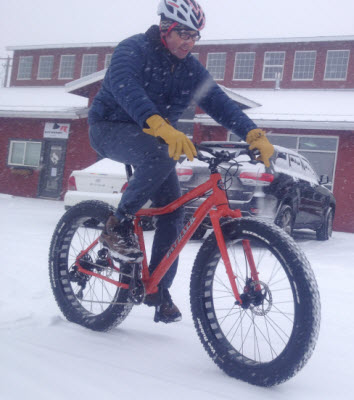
(151, 80)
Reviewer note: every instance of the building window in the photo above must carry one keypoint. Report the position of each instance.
(25, 67)
(321, 151)
(304, 65)
(24, 153)
(107, 60)
(336, 65)
(216, 65)
(45, 67)
(89, 64)
(67, 67)
(244, 66)
(273, 65)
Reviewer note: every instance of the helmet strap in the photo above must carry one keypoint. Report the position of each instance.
(165, 33)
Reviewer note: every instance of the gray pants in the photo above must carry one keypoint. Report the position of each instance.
(154, 179)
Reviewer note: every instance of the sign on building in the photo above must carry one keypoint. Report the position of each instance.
(54, 130)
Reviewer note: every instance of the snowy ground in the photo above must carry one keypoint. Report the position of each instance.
(45, 357)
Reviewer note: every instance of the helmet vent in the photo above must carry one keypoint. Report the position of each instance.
(169, 8)
(179, 15)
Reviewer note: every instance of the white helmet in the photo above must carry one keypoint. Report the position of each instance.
(185, 12)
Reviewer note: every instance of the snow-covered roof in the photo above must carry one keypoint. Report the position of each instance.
(201, 43)
(85, 80)
(61, 46)
(297, 108)
(41, 102)
(300, 39)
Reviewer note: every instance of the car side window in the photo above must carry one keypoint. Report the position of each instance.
(282, 160)
(308, 170)
(295, 164)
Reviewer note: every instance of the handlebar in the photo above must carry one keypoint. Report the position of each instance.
(223, 155)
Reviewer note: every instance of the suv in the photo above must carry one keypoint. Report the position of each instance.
(288, 193)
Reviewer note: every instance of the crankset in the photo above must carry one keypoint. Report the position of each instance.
(136, 286)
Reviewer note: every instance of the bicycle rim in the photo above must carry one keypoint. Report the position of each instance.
(258, 330)
(93, 293)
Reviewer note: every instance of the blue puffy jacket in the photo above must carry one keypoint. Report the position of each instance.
(144, 79)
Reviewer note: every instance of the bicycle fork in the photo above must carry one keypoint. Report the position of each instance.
(215, 220)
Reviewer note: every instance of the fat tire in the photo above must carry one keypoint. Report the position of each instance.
(96, 213)
(306, 322)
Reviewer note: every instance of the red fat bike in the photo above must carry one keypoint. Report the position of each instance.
(254, 298)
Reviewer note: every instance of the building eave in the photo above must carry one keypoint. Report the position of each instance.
(287, 124)
(72, 114)
(85, 81)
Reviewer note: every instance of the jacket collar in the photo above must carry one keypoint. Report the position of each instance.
(153, 36)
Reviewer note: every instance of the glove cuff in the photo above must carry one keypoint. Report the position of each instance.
(155, 122)
(254, 134)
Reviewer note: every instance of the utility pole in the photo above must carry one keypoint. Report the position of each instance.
(7, 68)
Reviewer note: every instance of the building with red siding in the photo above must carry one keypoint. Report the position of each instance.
(301, 90)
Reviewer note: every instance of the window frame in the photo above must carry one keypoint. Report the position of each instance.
(314, 66)
(83, 63)
(272, 66)
(254, 63)
(224, 69)
(107, 57)
(39, 68)
(19, 68)
(327, 58)
(73, 56)
(23, 165)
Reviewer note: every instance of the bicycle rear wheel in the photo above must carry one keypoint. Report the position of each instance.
(268, 338)
(84, 299)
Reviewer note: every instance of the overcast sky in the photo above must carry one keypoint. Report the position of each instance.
(27, 22)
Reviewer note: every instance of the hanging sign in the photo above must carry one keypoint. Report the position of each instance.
(56, 131)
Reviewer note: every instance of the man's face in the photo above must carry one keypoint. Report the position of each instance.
(177, 45)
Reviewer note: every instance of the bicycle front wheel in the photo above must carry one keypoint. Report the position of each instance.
(84, 299)
(270, 336)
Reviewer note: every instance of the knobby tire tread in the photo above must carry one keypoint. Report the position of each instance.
(304, 336)
(58, 271)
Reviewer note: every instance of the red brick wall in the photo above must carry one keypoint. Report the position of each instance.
(344, 184)
(11, 128)
(55, 81)
(78, 155)
(289, 48)
(203, 50)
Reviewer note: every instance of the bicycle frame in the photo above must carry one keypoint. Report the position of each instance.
(216, 205)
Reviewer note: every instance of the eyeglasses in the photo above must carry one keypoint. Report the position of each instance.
(186, 36)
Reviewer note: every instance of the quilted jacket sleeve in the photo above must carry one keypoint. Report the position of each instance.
(216, 103)
(126, 80)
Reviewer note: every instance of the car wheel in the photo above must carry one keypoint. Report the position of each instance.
(285, 219)
(325, 231)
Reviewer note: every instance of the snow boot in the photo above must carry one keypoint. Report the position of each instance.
(165, 310)
(119, 238)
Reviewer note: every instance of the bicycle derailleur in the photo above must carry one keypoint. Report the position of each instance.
(102, 262)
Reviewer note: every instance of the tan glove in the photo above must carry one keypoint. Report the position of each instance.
(257, 139)
(177, 141)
